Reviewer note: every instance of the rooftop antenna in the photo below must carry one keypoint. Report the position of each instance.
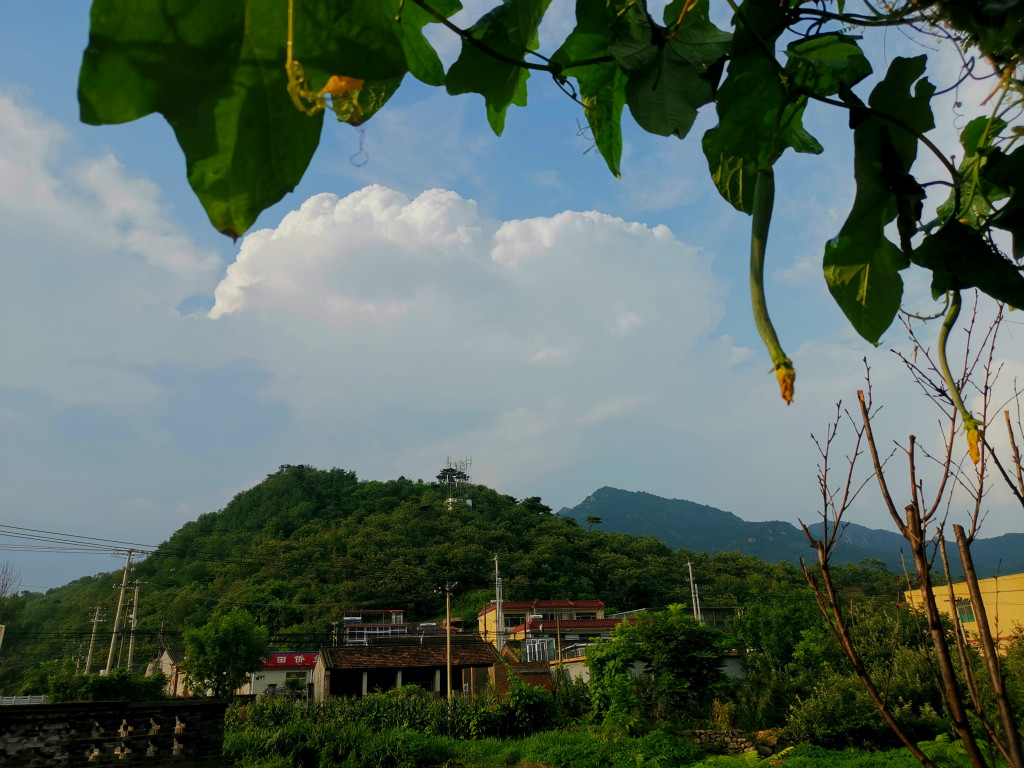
(455, 476)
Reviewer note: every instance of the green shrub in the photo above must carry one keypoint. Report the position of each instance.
(60, 681)
(565, 750)
(572, 697)
(838, 714)
(665, 750)
(810, 756)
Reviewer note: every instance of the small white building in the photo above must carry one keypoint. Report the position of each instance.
(278, 669)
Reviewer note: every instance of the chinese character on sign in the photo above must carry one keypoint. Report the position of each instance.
(282, 659)
(299, 659)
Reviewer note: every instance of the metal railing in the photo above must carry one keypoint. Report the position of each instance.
(10, 701)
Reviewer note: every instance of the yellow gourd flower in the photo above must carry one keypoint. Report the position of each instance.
(973, 437)
(786, 375)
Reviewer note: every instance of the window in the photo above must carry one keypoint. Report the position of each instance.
(586, 615)
(514, 619)
(538, 650)
(965, 610)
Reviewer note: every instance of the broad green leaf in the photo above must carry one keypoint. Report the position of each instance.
(975, 192)
(633, 43)
(510, 30)
(748, 135)
(793, 132)
(1007, 172)
(665, 96)
(347, 37)
(420, 55)
(893, 97)
(759, 116)
(960, 257)
(976, 131)
(216, 72)
(861, 266)
(692, 36)
(825, 64)
(601, 84)
(862, 272)
(671, 72)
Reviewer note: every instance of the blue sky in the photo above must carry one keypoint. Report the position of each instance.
(459, 294)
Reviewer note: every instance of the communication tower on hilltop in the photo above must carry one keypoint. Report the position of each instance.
(455, 477)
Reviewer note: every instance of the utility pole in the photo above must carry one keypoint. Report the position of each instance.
(694, 596)
(135, 622)
(334, 633)
(499, 615)
(447, 589)
(92, 638)
(120, 606)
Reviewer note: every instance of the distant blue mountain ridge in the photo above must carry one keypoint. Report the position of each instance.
(700, 528)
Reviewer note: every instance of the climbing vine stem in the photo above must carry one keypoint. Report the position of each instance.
(972, 425)
(764, 200)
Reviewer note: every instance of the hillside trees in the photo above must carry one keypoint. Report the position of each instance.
(348, 551)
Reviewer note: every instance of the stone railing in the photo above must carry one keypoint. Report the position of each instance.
(104, 733)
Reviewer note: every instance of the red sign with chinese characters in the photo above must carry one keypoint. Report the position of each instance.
(291, 659)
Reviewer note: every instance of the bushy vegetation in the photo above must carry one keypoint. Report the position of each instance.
(60, 681)
(409, 729)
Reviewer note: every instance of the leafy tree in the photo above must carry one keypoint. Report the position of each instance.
(678, 664)
(592, 520)
(219, 654)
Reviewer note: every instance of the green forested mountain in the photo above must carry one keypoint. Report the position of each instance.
(682, 523)
(303, 546)
(306, 544)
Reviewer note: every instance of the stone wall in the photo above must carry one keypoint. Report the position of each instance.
(734, 742)
(103, 733)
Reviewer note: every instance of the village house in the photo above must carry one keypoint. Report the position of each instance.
(546, 630)
(169, 662)
(385, 663)
(282, 671)
(1003, 604)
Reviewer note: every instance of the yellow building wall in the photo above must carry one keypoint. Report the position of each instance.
(1004, 604)
(488, 621)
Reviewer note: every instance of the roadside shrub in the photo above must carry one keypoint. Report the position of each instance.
(810, 756)
(838, 714)
(572, 697)
(565, 750)
(665, 750)
(400, 748)
(61, 682)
